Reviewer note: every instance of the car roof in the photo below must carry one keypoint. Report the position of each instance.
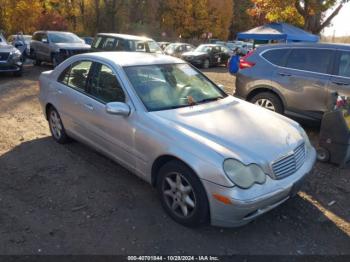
(211, 45)
(125, 36)
(179, 44)
(133, 58)
(52, 31)
(308, 45)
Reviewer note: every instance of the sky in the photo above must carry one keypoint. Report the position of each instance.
(340, 23)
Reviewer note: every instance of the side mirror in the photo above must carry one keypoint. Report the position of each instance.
(19, 44)
(45, 40)
(118, 108)
(222, 87)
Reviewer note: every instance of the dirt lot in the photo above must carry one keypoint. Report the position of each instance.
(68, 199)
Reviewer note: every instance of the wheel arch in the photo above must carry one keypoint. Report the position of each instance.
(269, 89)
(47, 108)
(161, 161)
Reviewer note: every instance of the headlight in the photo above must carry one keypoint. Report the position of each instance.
(16, 54)
(304, 135)
(242, 175)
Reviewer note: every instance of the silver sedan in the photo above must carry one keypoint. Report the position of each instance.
(212, 157)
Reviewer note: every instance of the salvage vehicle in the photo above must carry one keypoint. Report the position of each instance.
(295, 79)
(122, 42)
(10, 58)
(212, 157)
(208, 55)
(55, 46)
(177, 49)
(21, 42)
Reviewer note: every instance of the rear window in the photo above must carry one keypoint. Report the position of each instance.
(344, 64)
(276, 56)
(313, 60)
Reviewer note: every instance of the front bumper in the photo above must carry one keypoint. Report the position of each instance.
(11, 65)
(194, 61)
(247, 204)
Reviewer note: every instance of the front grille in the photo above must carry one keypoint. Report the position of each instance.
(288, 165)
(4, 56)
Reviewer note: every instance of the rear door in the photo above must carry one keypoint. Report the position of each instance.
(340, 79)
(70, 92)
(304, 80)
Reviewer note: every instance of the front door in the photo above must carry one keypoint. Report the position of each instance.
(113, 134)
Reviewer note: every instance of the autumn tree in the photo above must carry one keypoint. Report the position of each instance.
(308, 14)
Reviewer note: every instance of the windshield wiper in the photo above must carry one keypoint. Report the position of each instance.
(206, 100)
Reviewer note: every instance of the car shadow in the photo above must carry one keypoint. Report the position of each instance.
(68, 199)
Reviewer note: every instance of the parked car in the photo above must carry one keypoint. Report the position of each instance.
(242, 47)
(177, 49)
(88, 40)
(208, 55)
(55, 46)
(212, 157)
(295, 79)
(21, 42)
(163, 45)
(10, 58)
(122, 42)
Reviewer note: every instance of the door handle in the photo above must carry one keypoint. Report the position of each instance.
(284, 74)
(88, 106)
(340, 83)
(59, 91)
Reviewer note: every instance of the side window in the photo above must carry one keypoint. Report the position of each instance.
(276, 56)
(109, 43)
(105, 86)
(344, 64)
(78, 75)
(37, 36)
(64, 76)
(97, 42)
(314, 60)
(44, 37)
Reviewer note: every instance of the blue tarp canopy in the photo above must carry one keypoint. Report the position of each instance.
(278, 31)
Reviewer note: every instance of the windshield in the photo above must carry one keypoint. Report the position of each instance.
(2, 39)
(171, 48)
(154, 47)
(63, 37)
(170, 86)
(203, 48)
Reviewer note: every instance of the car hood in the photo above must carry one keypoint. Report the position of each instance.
(6, 47)
(72, 46)
(236, 129)
(194, 53)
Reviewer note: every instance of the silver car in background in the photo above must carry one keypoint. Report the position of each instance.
(10, 58)
(212, 157)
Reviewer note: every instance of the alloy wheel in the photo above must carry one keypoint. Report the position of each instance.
(265, 103)
(179, 195)
(55, 124)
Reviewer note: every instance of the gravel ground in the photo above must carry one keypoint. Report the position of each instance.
(69, 199)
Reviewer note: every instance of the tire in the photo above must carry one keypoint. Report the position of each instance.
(269, 101)
(56, 127)
(55, 60)
(18, 73)
(190, 193)
(37, 62)
(206, 64)
(323, 155)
